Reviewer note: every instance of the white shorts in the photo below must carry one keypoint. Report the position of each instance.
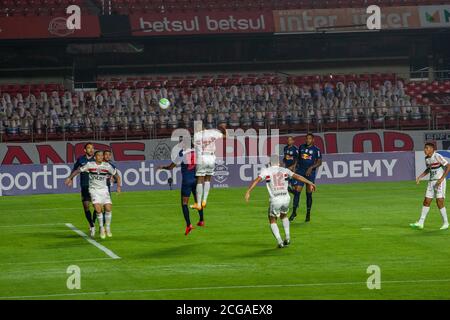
(279, 205)
(100, 196)
(205, 166)
(433, 192)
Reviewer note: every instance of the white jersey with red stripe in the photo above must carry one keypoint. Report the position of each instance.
(436, 164)
(98, 175)
(277, 181)
(205, 141)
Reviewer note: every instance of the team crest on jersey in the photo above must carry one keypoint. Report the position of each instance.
(221, 173)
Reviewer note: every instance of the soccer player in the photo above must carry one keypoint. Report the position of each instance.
(438, 169)
(186, 159)
(107, 156)
(99, 172)
(205, 148)
(277, 182)
(309, 159)
(84, 184)
(290, 161)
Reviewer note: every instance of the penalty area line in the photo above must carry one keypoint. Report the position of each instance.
(323, 284)
(92, 241)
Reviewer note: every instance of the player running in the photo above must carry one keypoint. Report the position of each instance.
(84, 184)
(290, 161)
(205, 149)
(277, 182)
(309, 159)
(99, 173)
(186, 159)
(438, 169)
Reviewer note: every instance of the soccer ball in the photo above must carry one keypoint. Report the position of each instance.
(164, 103)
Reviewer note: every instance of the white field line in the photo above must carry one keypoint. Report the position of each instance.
(323, 284)
(92, 241)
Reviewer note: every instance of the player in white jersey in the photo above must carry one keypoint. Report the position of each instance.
(99, 174)
(438, 169)
(205, 149)
(277, 182)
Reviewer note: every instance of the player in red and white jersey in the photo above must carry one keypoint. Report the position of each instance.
(277, 182)
(99, 174)
(438, 169)
(205, 153)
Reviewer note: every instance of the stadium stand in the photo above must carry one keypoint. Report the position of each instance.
(57, 7)
(129, 105)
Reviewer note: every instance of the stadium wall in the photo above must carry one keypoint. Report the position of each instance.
(144, 176)
(160, 149)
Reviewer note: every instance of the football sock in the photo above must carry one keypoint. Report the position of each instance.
(444, 215)
(87, 213)
(424, 214)
(286, 228)
(108, 218)
(276, 232)
(94, 217)
(199, 190)
(200, 213)
(308, 202)
(295, 202)
(206, 190)
(100, 219)
(186, 214)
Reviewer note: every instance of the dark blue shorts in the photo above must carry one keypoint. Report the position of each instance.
(311, 178)
(85, 195)
(188, 188)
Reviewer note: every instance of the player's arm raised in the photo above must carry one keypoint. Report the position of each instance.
(423, 174)
(303, 179)
(252, 186)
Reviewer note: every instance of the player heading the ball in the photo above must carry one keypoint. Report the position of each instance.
(205, 153)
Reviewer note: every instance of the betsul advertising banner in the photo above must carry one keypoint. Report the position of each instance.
(40, 27)
(143, 175)
(60, 152)
(146, 24)
(348, 19)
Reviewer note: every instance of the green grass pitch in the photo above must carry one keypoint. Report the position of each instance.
(234, 256)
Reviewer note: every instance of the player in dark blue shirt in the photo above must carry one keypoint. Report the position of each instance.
(308, 160)
(290, 155)
(186, 159)
(84, 184)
